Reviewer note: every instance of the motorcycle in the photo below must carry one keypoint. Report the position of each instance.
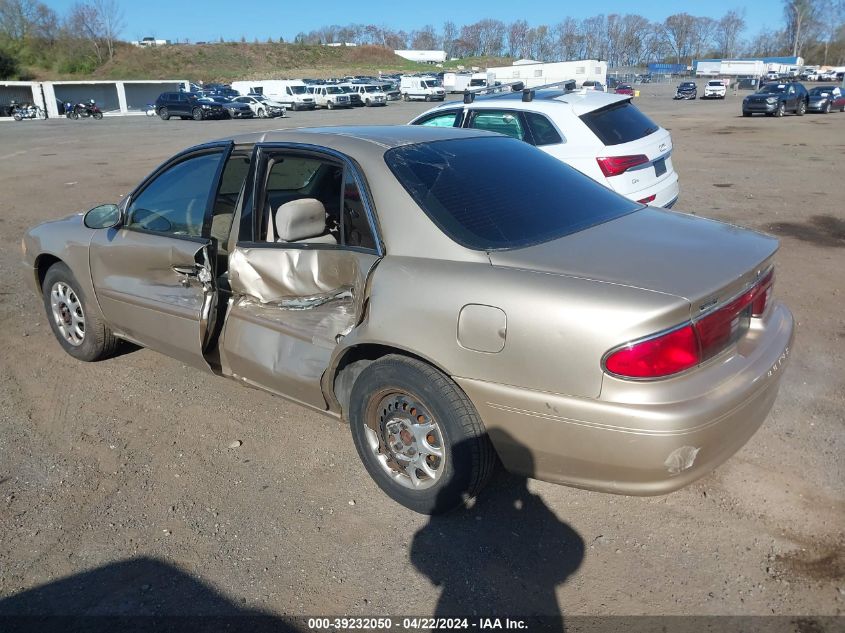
(86, 110)
(26, 111)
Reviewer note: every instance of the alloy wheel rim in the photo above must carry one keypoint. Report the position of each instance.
(405, 439)
(67, 313)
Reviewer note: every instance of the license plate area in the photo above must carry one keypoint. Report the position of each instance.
(660, 167)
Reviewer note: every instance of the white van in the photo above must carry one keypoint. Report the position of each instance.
(427, 88)
(291, 93)
(371, 94)
(330, 96)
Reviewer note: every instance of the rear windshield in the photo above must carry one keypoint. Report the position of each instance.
(619, 123)
(495, 193)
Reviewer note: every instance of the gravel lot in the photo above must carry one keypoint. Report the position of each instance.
(119, 493)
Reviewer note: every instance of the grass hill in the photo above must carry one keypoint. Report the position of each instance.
(230, 61)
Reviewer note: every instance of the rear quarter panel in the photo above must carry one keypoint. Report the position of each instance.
(557, 327)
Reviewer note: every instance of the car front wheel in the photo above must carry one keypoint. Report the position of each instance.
(79, 330)
(418, 435)
(801, 109)
(164, 114)
(781, 110)
(196, 114)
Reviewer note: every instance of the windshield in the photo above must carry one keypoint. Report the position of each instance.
(820, 92)
(687, 85)
(372, 89)
(772, 88)
(297, 90)
(333, 90)
(715, 83)
(498, 211)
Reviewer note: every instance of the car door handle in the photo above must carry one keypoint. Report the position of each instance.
(191, 271)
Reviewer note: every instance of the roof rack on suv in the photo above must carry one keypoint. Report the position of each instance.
(516, 86)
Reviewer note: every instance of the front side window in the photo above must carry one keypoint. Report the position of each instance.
(175, 201)
(500, 121)
(498, 211)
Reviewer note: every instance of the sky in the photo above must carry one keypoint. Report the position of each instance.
(212, 19)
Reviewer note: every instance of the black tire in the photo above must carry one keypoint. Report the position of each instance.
(262, 113)
(164, 114)
(196, 114)
(801, 108)
(98, 341)
(467, 451)
(329, 105)
(826, 108)
(406, 97)
(367, 103)
(17, 116)
(781, 109)
(97, 115)
(428, 97)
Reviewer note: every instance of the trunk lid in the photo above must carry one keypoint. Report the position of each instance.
(703, 261)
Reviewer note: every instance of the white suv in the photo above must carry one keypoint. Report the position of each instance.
(715, 89)
(330, 97)
(601, 135)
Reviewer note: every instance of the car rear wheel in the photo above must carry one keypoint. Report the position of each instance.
(406, 97)
(78, 329)
(196, 114)
(164, 114)
(418, 435)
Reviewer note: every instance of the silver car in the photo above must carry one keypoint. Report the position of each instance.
(457, 296)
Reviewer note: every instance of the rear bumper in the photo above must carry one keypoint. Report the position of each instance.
(639, 447)
(665, 192)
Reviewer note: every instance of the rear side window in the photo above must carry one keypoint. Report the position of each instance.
(542, 130)
(619, 123)
(485, 204)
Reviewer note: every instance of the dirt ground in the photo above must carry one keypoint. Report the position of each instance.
(119, 493)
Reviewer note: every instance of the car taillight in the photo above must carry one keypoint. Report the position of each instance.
(655, 357)
(649, 199)
(692, 343)
(615, 165)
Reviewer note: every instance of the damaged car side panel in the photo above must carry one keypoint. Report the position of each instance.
(290, 307)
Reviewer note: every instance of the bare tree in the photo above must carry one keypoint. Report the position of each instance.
(568, 39)
(110, 17)
(517, 36)
(424, 39)
(703, 29)
(23, 19)
(679, 31)
(728, 31)
(801, 18)
(83, 22)
(450, 34)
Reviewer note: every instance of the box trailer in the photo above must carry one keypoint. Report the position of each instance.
(538, 74)
(742, 68)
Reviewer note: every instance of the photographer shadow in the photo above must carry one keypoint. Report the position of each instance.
(503, 557)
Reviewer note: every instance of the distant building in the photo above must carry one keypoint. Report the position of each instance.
(425, 57)
(747, 66)
(150, 42)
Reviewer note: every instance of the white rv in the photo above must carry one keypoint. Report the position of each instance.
(426, 88)
(292, 93)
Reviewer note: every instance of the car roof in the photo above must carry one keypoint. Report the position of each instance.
(549, 101)
(376, 136)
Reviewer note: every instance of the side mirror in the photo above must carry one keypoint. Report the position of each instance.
(104, 216)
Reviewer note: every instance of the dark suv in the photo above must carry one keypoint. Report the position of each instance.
(186, 105)
(775, 99)
(687, 90)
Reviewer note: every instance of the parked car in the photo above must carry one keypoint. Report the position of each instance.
(291, 93)
(427, 88)
(827, 75)
(354, 97)
(593, 85)
(330, 97)
(775, 99)
(234, 109)
(624, 89)
(370, 94)
(582, 338)
(772, 76)
(602, 135)
(715, 89)
(261, 106)
(186, 105)
(810, 75)
(686, 90)
(826, 98)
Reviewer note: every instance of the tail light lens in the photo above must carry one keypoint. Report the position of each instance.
(615, 165)
(648, 200)
(693, 343)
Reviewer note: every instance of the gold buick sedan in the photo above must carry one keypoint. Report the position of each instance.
(459, 297)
